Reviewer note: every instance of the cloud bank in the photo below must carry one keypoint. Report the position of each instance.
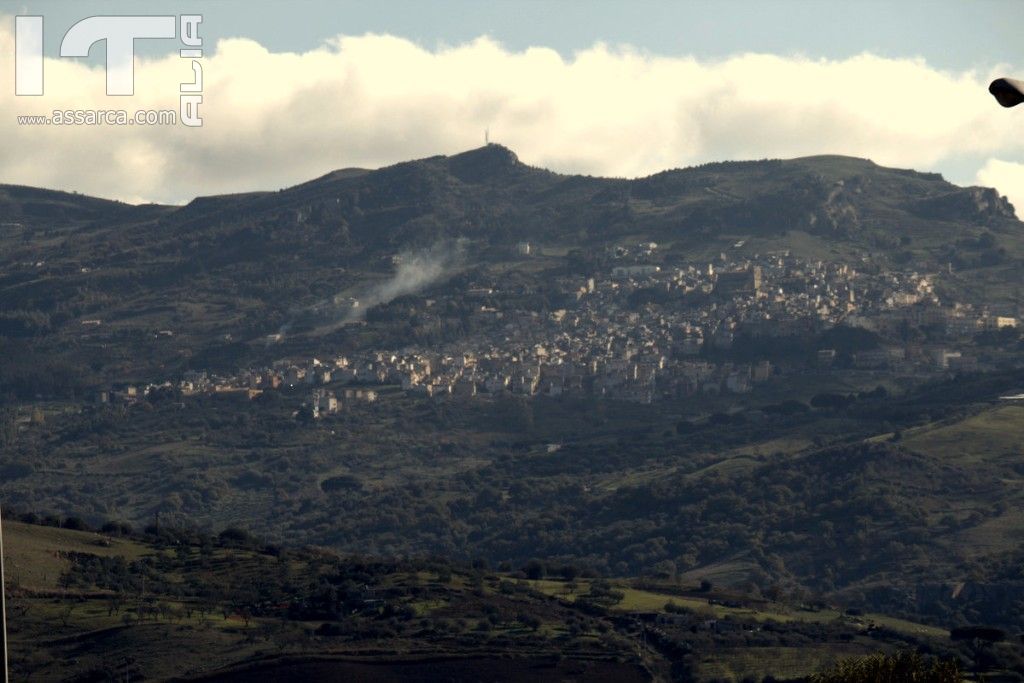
(275, 119)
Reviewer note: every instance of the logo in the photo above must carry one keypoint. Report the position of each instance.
(120, 34)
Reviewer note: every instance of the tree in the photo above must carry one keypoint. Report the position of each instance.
(534, 570)
(569, 572)
(305, 415)
(665, 569)
(993, 635)
(529, 621)
(901, 667)
(602, 593)
(830, 401)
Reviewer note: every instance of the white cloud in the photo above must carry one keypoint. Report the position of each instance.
(273, 119)
(1007, 177)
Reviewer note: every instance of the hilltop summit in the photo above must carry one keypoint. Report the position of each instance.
(485, 164)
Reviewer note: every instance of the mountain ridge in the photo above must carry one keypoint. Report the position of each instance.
(495, 162)
(246, 260)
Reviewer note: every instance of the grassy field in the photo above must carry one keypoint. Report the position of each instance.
(991, 438)
(992, 434)
(34, 555)
(637, 600)
(736, 664)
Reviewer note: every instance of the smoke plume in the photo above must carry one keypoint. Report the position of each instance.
(416, 271)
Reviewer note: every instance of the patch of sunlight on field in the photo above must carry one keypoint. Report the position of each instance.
(722, 574)
(781, 662)
(785, 445)
(904, 626)
(988, 435)
(34, 554)
(637, 600)
(1002, 533)
(634, 478)
(426, 607)
(735, 462)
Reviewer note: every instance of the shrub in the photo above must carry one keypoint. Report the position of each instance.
(901, 667)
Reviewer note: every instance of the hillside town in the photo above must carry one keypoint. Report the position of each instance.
(643, 332)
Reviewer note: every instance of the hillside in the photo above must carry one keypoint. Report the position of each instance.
(883, 503)
(789, 380)
(186, 606)
(240, 267)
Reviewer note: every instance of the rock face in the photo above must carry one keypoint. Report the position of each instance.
(971, 204)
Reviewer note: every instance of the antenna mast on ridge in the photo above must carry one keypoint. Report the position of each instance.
(487, 136)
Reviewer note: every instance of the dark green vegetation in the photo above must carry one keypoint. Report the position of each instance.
(187, 606)
(901, 667)
(907, 504)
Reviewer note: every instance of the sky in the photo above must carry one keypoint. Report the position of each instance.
(294, 90)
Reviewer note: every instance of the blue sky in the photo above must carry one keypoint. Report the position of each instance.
(602, 87)
(951, 34)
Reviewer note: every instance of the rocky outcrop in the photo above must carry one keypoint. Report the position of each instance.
(969, 204)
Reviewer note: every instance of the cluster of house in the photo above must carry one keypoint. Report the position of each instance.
(609, 341)
(312, 375)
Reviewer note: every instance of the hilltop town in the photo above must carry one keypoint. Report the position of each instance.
(648, 328)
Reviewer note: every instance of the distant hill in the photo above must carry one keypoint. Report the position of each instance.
(241, 265)
(488, 194)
